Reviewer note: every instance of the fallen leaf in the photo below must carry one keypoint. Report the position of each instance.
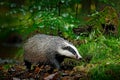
(51, 76)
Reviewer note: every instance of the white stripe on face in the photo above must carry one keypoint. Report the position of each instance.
(77, 53)
(66, 53)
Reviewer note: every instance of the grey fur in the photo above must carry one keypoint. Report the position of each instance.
(42, 49)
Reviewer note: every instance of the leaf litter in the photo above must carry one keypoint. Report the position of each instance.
(19, 72)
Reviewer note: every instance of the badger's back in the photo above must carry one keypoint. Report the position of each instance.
(40, 47)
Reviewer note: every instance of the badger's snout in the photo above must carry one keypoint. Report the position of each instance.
(78, 57)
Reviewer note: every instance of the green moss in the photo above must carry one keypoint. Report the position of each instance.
(105, 72)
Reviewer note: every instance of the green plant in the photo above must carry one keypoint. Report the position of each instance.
(105, 72)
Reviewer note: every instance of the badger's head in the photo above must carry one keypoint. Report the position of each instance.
(69, 50)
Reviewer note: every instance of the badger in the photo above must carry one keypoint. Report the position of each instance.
(48, 50)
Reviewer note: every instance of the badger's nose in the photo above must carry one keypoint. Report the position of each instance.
(79, 58)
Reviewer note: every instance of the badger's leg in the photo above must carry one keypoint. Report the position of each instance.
(27, 64)
(55, 63)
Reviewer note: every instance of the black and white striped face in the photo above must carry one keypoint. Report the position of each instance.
(69, 51)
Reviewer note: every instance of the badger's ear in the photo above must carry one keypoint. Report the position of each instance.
(70, 49)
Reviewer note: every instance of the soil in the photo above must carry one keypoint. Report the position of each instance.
(18, 71)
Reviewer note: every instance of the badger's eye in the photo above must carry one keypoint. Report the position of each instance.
(69, 49)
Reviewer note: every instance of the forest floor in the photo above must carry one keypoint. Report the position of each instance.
(18, 71)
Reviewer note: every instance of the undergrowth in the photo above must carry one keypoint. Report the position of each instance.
(105, 57)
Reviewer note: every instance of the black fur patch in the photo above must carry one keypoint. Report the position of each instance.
(59, 58)
(69, 49)
(27, 64)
